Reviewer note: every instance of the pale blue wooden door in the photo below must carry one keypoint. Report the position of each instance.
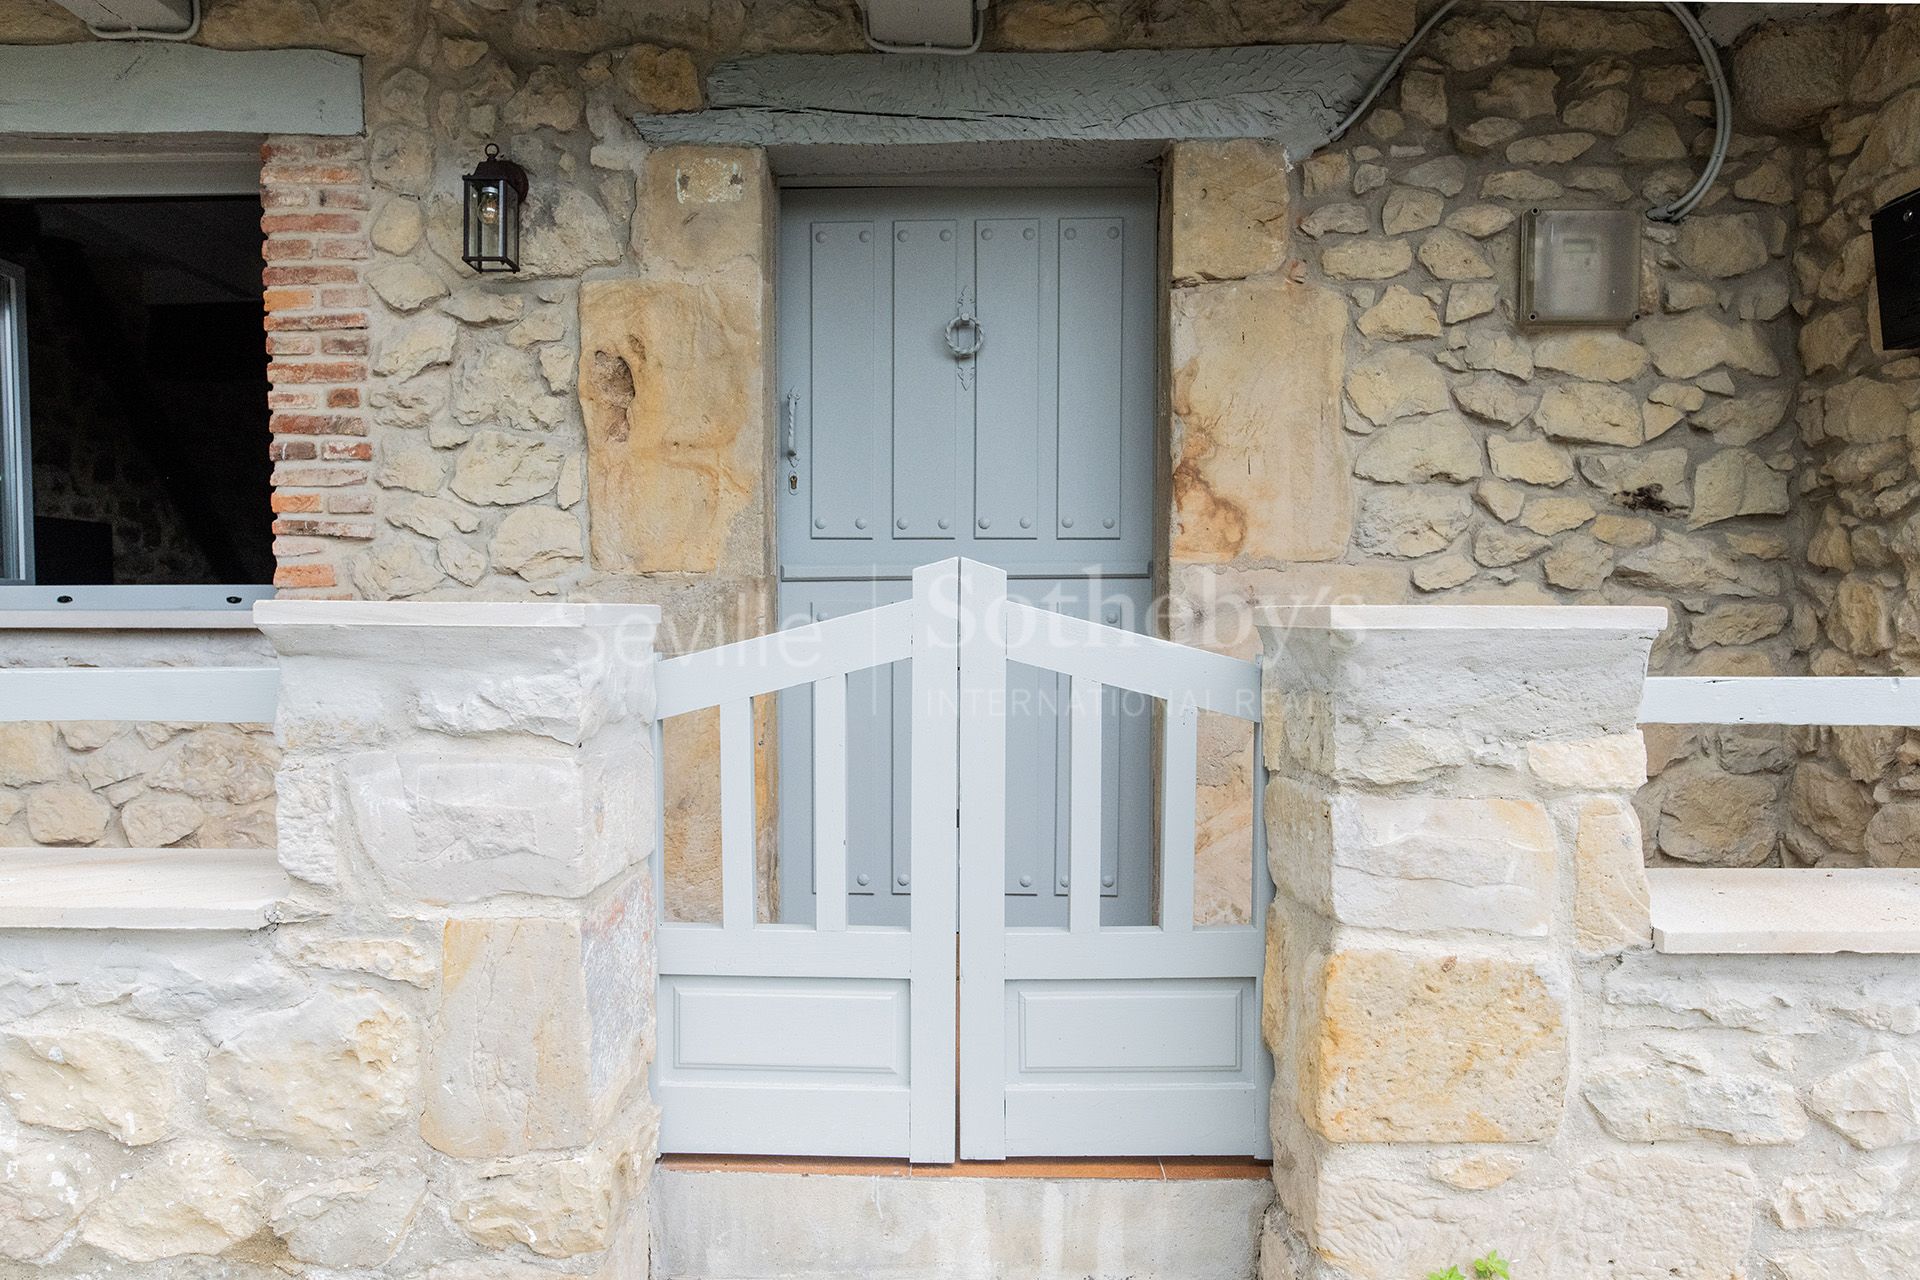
(967, 372)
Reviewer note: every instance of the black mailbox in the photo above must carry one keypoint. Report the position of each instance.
(1896, 266)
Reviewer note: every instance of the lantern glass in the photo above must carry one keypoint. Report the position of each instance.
(491, 215)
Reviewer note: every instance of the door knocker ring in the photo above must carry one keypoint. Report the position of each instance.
(978, 335)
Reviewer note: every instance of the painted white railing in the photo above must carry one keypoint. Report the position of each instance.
(143, 889)
(207, 695)
(1784, 700)
(1781, 910)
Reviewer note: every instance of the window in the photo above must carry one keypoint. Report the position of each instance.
(136, 472)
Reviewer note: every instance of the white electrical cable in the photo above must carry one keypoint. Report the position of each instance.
(1673, 210)
(188, 32)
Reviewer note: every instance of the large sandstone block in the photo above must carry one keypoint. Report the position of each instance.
(449, 828)
(543, 1023)
(1640, 1215)
(1229, 209)
(193, 1197)
(1417, 1047)
(703, 212)
(357, 674)
(328, 1075)
(355, 1220)
(1411, 674)
(1660, 1102)
(1611, 897)
(1263, 472)
(673, 390)
(561, 1204)
(90, 1073)
(48, 1186)
(1413, 863)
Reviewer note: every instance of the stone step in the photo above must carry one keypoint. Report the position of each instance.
(734, 1225)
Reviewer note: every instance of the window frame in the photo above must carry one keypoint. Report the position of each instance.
(16, 435)
(91, 175)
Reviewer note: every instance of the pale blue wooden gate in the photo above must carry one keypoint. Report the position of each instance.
(1081, 1037)
(968, 372)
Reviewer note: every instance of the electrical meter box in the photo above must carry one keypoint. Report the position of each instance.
(1896, 269)
(1579, 266)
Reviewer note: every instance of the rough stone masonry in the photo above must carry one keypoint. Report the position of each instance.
(1475, 1047)
(1352, 412)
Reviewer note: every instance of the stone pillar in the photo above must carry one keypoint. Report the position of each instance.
(468, 800)
(1450, 829)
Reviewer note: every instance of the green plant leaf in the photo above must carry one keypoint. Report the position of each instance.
(1491, 1266)
(1451, 1273)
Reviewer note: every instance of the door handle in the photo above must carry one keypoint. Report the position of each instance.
(791, 413)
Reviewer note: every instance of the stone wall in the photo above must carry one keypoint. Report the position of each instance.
(1475, 1049)
(1493, 460)
(563, 432)
(144, 786)
(442, 435)
(1853, 791)
(434, 1063)
(150, 785)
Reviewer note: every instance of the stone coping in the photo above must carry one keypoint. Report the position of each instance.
(1462, 617)
(126, 620)
(1785, 911)
(451, 613)
(202, 889)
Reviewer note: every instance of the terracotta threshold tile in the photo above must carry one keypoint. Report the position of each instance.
(1145, 1168)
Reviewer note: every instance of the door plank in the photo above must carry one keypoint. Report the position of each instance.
(1006, 433)
(926, 386)
(1092, 351)
(843, 415)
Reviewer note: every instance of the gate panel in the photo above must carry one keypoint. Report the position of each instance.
(1105, 1039)
(1088, 1038)
(827, 1039)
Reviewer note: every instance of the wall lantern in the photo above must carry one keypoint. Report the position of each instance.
(490, 218)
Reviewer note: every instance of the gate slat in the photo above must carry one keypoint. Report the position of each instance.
(983, 834)
(1179, 775)
(830, 803)
(1084, 802)
(736, 814)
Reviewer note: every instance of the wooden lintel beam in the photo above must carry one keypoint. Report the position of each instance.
(1291, 94)
(157, 16)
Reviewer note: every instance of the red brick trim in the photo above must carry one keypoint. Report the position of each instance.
(315, 194)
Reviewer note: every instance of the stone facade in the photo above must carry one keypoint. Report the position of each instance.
(1498, 461)
(1475, 1047)
(1353, 411)
(434, 1064)
(1852, 795)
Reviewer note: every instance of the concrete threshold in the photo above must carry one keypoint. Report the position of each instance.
(716, 1219)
